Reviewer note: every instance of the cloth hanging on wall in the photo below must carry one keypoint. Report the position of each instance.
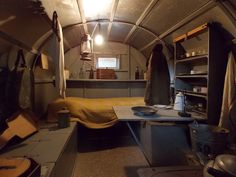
(58, 59)
(19, 86)
(158, 78)
(228, 110)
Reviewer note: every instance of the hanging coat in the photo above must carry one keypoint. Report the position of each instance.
(228, 110)
(158, 78)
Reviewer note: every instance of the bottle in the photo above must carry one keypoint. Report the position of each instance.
(81, 73)
(91, 74)
(145, 75)
(141, 75)
(137, 73)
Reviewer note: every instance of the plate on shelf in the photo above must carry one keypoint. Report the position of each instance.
(144, 110)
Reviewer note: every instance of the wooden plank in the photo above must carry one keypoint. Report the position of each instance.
(190, 33)
(196, 30)
(44, 62)
(180, 38)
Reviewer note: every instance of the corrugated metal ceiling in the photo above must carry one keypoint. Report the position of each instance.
(138, 23)
(173, 10)
(130, 10)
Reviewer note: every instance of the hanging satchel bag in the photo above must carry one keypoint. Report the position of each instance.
(19, 89)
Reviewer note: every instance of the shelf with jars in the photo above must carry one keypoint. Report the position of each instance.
(200, 64)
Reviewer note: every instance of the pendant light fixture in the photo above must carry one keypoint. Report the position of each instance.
(99, 38)
(86, 48)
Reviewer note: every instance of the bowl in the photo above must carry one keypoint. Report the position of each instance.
(144, 110)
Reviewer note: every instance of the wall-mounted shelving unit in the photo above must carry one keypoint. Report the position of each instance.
(104, 80)
(200, 64)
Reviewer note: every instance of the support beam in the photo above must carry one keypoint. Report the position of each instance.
(94, 29)
(17, 43)
(209, 5)
(141, 18)
(114, 21)
(229, 10)
(81, 11)
(113, 12)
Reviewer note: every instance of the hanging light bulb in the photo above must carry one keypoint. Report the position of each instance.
(99, 38)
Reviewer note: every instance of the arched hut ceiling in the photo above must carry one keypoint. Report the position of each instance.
(138, 23)
(22, 22)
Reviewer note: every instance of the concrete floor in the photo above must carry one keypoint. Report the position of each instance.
(108, 153)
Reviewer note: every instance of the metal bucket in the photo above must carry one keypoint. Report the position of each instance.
(208, 139)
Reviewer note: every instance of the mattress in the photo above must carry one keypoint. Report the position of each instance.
(91, 112)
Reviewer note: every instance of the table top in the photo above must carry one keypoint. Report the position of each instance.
(125, 113)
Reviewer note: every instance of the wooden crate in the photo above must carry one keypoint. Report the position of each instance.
(106, 74)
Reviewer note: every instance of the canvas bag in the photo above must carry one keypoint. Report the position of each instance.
(19, 89)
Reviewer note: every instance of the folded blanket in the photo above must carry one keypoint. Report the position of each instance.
(91, 112)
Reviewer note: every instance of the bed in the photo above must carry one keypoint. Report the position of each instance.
(91, 112)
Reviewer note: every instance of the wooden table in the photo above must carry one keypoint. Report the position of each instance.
(162, 137)
(125, 113)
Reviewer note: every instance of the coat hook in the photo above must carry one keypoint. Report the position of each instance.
(55, 25)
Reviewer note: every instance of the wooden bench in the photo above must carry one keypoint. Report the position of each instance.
(54, 149)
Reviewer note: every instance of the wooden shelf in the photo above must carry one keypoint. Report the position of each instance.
(104, 80)
(192, 76)
(191, 93)
(192, 33)
(199, 112)
(193, 58)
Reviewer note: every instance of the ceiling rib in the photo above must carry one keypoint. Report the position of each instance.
(114, 21)
(195, 14)
(17, 43)
(76, 45)
(81, 11)
(113, 12)
(229, 11)
(121, 22)
(141, 18)
(94, 29)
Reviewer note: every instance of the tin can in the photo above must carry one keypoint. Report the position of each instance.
(63, 118)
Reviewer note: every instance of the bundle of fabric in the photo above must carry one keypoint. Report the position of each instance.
(92, 113)
(228, 109)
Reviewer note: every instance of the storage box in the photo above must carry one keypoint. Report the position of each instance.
(106, 74)
(164, 144)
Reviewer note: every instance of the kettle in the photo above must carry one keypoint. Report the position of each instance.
(224, 165)
(179, 102)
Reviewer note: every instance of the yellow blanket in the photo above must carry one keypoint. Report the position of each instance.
(92, 113)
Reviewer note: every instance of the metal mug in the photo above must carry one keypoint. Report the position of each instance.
(63, 118)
